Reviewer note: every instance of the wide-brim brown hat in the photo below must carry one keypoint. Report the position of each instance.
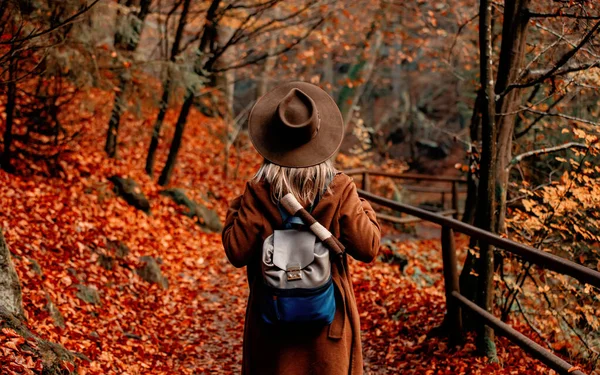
(297, 124)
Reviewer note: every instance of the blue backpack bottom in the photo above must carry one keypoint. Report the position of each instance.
(285, 306)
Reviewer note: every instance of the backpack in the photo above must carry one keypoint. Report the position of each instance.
(296, 270)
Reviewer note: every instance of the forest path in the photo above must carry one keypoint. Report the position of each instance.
(398, 309)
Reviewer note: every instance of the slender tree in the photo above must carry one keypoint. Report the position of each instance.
(11, 97)
(127, 41)
(203, 66)
(164, 101)
(485, 214)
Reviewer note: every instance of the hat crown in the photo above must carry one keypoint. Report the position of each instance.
(296, 125)
(298, 114)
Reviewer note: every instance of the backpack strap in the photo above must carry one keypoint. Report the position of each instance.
(294, 208)
(290, 220)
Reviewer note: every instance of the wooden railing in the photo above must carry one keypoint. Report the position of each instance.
(455, 301)
(453, 190)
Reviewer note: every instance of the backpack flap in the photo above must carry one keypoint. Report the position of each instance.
(294, 249)
(294, 259)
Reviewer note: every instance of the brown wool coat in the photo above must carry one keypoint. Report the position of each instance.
(330, 350)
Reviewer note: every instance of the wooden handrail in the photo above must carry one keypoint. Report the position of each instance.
(523, 341)
(405, 176)
(430, 189)
(533, 255)
(409, 219)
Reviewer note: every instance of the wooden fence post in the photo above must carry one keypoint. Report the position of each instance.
(453, 318)
(365, 182)
(455, 199)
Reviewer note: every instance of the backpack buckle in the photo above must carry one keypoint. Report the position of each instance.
(294, 273)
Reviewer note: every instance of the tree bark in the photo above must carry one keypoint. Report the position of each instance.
(263, 82)
(129, 45)
(475, 137)
(467, 280)
(485, 217)
(366, 76)
(115, 117)
(165, 175)
(512, 53)
(346, 93)
(329, 73)
(11, 99)
(164, 102)
(10, 288)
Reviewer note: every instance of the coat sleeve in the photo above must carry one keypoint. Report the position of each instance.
(359, 231)
(243, 228)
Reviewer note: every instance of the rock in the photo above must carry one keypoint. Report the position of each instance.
(389, 254)
(10, 288)
(120, 249)
(131, 192)
(57, 317)
(106, 261)
(208, 219)
(150, 271)
(88, 294)
(36, 267)
(432, 149)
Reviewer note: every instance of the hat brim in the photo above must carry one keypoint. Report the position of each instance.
(285, 152)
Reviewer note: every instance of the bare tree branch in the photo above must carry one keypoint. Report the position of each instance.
(460, 29)
(562, 15)
(559, 64)
(554, 114)
(567, 69)
(276, 53)
(537, 119)
(562, 37)
(546, 150)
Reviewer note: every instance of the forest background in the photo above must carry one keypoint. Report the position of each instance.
(148, 100)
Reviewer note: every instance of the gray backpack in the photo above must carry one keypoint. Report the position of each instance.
(296, 271)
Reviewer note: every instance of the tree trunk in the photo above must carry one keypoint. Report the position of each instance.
(512, 53)
(10, 288)
(129, 45)
(203, 68)
(263, 82)
(485, 217)
(11, 99)
(165, 175)
(164, 102)
(328, 76)
(467, 280)
(115, 117)
(366, 76)
(346, 93)
(475, 138)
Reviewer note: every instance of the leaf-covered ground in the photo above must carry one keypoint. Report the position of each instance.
(82, 291)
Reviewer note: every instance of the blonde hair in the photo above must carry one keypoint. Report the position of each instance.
(304, 183)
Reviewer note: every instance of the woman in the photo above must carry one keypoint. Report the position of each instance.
(297, 128)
